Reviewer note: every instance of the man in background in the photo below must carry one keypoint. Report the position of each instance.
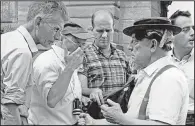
(105, 67)
(183, 50)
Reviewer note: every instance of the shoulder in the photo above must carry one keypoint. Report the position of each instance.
(121, 53)
(172, 78)
(44, 60)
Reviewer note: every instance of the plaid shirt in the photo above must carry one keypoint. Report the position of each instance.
(103, 72)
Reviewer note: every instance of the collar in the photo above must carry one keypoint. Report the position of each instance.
(185, 58)
(60, 53)
(113, 49)
(152, 68)
(28, 38)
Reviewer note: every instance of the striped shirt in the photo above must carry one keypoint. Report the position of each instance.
(103, 72)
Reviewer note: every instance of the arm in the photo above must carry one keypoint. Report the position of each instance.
(60, 87)
(95, 94)
(85, 90)
(124, 120)
(16, 70)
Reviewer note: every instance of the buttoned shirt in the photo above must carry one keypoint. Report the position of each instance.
(17, 50)
(46, 69)
(168, 98)
(104, 72)
(186, 64)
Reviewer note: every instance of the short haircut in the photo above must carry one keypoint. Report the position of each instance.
(94, 14)
(47, 7)
(179, 13)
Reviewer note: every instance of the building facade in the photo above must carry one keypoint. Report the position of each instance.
(14, 13)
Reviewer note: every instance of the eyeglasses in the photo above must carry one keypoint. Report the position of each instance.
(54, 28)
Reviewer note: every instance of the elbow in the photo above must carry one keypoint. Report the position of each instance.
(51, 103)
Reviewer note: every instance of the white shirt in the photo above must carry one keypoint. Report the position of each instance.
(168, 98)
(46, 70)
(17, 50)
(187, 66)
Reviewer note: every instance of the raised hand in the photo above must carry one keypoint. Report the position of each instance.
(75, 59)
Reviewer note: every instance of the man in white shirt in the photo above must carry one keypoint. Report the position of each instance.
(56, 84)
(168, 97)
(183, 50)
(17, 50)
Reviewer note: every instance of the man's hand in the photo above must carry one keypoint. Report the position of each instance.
(85, 119)
(113, 114)
(75, 59)
(23, 114)
(96, 96)
(85, 100)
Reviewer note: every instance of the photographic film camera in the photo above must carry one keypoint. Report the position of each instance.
(78, 107)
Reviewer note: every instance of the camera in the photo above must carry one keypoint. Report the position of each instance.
(77, 107)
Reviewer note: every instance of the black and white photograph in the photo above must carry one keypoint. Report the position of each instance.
(106, 62)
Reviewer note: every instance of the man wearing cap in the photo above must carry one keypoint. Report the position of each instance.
(55, 82)
(167, 99)
(183, 50)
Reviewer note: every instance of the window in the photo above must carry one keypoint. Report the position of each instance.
(9, 11)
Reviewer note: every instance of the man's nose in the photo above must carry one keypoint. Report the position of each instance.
(57, 35)
(104, 34)
(191, 32)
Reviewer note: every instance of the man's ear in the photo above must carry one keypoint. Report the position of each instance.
(153, 45)
(38, 21)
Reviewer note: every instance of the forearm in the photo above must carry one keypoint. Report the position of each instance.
(14, 114)
(28, 96)
(102, 122)
(60, 87)
(87, 91)
(125, 120)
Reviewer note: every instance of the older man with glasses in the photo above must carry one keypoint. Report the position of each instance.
(55, 83)
(17, 51)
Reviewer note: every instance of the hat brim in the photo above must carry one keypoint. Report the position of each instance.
(83, 35)
(130, 30)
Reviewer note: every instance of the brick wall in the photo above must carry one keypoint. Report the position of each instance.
(125, 13)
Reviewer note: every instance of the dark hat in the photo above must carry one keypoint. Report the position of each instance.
(152, 23)
(76, 30)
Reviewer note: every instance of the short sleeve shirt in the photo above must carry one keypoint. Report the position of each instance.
(103, 72)
(46, 69)
(169, 95)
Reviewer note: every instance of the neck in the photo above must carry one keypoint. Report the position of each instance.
(30, 28)
(179, 53)
(106, 51)
(157, 55)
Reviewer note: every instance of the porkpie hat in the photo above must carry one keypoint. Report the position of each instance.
(152, 23)
(76, 30)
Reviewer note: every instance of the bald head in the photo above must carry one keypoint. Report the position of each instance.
(102, 15)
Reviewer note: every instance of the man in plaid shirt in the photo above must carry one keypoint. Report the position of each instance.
(104, 68)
